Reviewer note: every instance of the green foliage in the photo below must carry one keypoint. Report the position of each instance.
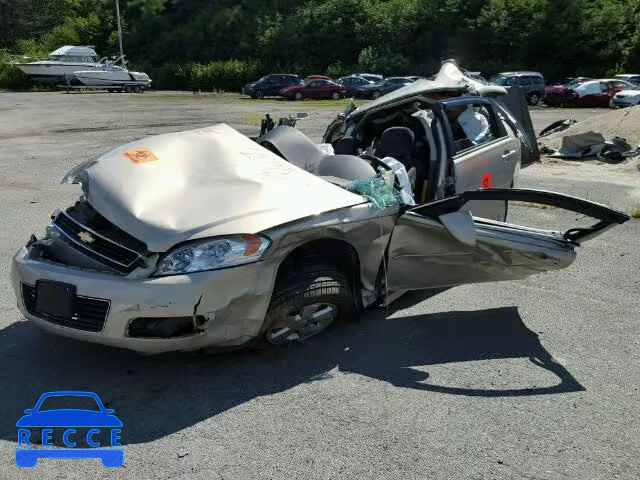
(72, 31)
(228, 75)
(220, 44)
(11, 78)
(387, 64)
(337, 69)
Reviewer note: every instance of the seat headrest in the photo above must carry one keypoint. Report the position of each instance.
(346, 146)
(396, 142)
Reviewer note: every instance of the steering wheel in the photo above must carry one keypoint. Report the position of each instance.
(375, 162)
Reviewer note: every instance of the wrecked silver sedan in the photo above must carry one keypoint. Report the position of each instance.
(207, 239)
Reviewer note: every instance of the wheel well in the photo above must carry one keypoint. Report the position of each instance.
(324, 252)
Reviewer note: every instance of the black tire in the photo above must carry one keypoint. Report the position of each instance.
(534, 99)
(298, 96)
(376, 94)
(259, 94)
(336, 96)
(287, 320)
(128, 89)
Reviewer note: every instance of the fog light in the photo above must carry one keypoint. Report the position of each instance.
(164, 327)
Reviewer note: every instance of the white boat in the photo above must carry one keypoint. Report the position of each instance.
(112, 76)
(61, 63)
(78, 67)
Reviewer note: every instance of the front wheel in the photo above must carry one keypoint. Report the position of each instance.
(376, 94)
(534, 99)
(298, 96)
(335, 96)
(306, 303)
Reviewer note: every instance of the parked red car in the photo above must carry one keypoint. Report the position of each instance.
(314, 89)
(597, 93)
(557, 95)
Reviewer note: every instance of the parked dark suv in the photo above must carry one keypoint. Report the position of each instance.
(270, 85)
(532, 83)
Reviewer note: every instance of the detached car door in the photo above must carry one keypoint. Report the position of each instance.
(439, 244)
(484, 152)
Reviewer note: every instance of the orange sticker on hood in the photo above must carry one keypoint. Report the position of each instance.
(140, 155)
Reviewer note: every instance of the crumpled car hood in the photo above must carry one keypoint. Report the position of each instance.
(171, 188)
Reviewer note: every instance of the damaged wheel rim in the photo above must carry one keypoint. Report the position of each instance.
(302, 324)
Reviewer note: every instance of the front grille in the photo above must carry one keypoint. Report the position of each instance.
(90, 313)
(96, 242)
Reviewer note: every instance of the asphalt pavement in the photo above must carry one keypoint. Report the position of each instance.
(536, 379)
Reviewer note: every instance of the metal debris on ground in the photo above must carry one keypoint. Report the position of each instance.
(556, 127)
(592, 144)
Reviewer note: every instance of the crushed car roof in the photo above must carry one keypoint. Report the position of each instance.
(450, 78)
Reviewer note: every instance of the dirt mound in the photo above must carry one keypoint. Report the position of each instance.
(623, 123)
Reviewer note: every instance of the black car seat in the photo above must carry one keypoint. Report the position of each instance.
(346, 146)
(396, 142)
(399, 143)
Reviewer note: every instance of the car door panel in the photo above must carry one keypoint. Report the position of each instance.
(266, 87)
(496, 255)
(312, 90)
(439, 244)
(490, 163)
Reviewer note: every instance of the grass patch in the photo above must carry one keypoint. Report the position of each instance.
(239, 99)
(252, 119)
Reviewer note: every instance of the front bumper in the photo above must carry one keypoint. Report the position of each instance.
(232, 301)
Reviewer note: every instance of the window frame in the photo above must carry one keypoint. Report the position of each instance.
(494, 119)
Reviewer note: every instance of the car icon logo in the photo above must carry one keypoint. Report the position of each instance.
(86, 237)
(69, 425)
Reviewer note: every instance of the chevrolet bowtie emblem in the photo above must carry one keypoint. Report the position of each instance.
(86, 237)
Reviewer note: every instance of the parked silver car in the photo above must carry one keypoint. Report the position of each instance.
(207, 239)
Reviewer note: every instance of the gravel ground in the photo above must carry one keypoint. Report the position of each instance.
(535, 379)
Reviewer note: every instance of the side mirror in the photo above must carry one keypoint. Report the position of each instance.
(301, 115)
(461, 226)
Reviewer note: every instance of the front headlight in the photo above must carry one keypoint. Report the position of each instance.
(212, 254)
